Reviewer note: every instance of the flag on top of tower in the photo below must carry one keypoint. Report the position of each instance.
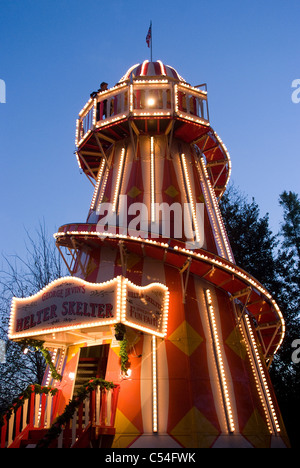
(149, 35)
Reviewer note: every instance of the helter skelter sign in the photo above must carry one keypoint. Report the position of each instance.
(72, 303)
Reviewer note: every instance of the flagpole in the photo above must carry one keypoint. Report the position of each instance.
(151, 39)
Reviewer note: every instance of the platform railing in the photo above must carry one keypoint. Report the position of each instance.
(88, 416)
(34, 409)
(142, 98)
(98, 412)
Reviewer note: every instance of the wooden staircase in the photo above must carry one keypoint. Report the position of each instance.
(91, 425)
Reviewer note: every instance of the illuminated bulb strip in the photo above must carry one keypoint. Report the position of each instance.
(142, 289)
(158, 81)
(144, 67)
(162, 67)
(190, 197)
(186, 116)
(258, 385)
(217, 212)
(230, 268)
(192, 88)
(62, 328)
(212, 215)
(49, 376)
(117, 188)
(154, 386)
(77, 131)
(152, 180)
(148, 114)
(95, 112)
(262, 384)
(131, 98)
(176, 97)
(126, 76)
(97, 184)
(120, 299)
(219, 362)
(103, 188)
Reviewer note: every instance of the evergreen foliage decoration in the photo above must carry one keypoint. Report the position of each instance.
(25, 395)
(62, 420)
(39, 346)
(120, 335)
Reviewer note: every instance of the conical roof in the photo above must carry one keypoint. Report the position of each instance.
(151, 69)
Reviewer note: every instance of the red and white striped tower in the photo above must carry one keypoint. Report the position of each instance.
(199, 366)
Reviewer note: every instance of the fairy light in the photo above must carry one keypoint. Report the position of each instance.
(261, 382)
(216, 211)
(53, 357)
(200, 256)
(152, 178)
(103, 187)
(38, 295)
(95, 112)
(143, 70)
(154, 386)
(162, 68)
(190, 197)
(119, 298)
(219, 361)
(131, 98)
(127, 74)
(118, 182)
(162, 329)
(211, 212)
(77, 131)
(99, 179)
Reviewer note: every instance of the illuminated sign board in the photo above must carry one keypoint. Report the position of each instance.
(71, 303)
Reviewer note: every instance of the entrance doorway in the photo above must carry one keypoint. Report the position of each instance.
(92, 363)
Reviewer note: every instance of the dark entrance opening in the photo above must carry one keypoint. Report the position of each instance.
(92, 363)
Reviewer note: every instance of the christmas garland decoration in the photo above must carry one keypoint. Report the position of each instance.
(70, 409)
(25, 395)
(38, 346)
(120, 335)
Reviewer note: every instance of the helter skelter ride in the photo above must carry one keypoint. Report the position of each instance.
(153, 260)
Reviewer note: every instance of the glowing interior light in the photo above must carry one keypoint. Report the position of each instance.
(190, 197)
(118, 183)
(150, 102)
(154, 386)
(152, 177)
(219, 362)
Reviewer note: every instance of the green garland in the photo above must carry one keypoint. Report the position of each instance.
(120, 334)
(124, 355)
(38, 346)
(25, 395)
(70, 409)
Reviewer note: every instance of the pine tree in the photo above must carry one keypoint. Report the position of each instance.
(251, 239)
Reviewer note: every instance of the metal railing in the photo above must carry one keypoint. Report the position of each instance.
(142, 98)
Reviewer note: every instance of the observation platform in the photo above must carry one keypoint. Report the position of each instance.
(151, 98)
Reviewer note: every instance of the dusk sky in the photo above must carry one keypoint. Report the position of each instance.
(53, 54)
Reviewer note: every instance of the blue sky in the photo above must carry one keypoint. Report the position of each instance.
(54, 53)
